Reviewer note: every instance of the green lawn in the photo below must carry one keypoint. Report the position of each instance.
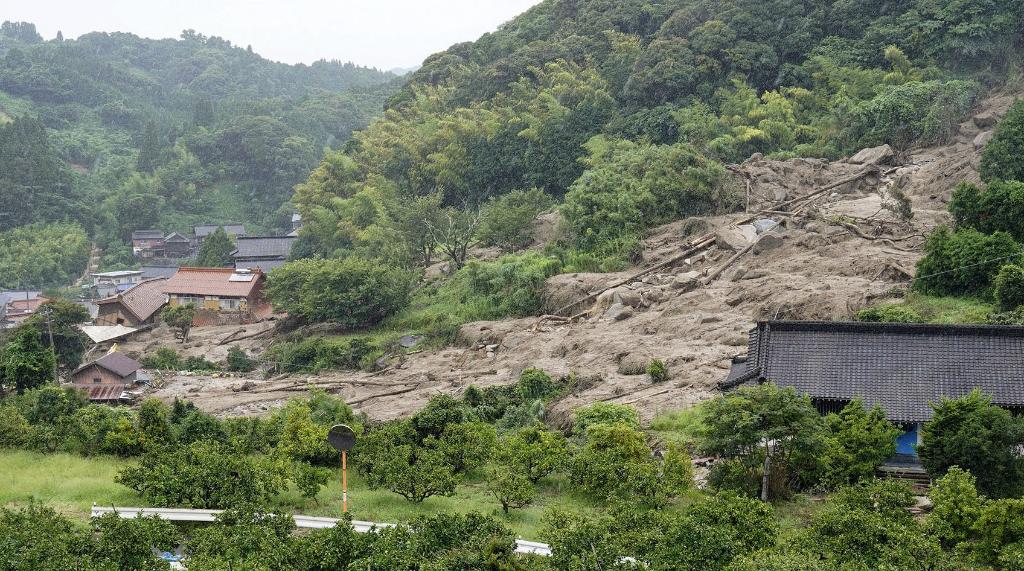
(72, 483)
(66, 482)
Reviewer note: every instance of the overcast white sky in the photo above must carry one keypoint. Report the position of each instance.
(380, 33)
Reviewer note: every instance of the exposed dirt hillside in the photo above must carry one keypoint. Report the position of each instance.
(829, 257)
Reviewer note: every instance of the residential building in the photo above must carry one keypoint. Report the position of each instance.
(17, 306)
(135, 307)
(106, 284)
(177, 246)
(203, 230)
(263, 252)
(106, 379)
(158, 271)
(224, 292)
(901, 367)
(148, 243)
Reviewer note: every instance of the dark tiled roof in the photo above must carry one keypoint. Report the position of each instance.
(176, 237)
(150, 272)
(263, 247)
(147, 235)
(901, 367)
(204, 230)
(117, 363)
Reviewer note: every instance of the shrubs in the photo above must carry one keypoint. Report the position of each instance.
(1009, 287)
(201, 475)
(630, 187)
(657, 371)
(978, 436)
(889, 313)
(509, 286)
(353, 292)
(1001, 159)
(999, 207)
(914, 112)
(315, 354)
(239, 362)
(964, 262)
(164, 358)
(507, 221)
(604, 413)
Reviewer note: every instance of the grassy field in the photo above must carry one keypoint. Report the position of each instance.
(67, 483)
(71, 484)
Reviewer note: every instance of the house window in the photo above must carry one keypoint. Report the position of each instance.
(96, 380)
(229, 303)
(120, 321)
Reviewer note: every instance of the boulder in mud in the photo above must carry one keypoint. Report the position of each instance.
(982, 139)
(881, 155)
(985, 120)
(685, 282)
(768, 242)
(734, 237)
(618, 312)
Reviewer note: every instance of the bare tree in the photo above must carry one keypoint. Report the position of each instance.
(453, 232)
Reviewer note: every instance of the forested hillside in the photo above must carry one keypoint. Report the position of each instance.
(627, 114)
(118, 133)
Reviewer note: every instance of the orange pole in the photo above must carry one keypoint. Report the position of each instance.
(344, 482)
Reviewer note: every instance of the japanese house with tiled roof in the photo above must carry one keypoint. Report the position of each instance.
(901, 367)
(106, 378)
(263, 252)
(135, 307)
(216, 290)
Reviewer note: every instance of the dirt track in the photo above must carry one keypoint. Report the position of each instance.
(815, 267)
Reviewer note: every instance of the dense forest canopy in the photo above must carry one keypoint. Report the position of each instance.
(120, 133)
(626, 111)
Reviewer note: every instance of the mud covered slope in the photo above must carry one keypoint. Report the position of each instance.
(828, 257)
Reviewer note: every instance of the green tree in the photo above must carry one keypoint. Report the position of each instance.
(1000, 160)
(511, 488)
(956, 507)
(180, 317)
(999, 532)
(998, 207)
(26, 362)
(1009, 287)
(964, 262)
(391, 457)
(978, 436)
(609, 453)
(506, 221)
(764, 424)
(353, 292)
(216, 249)
(201, 475)
(858, 442)
(61, 318)
(532, 451)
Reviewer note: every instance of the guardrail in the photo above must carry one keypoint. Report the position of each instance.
(303, 521)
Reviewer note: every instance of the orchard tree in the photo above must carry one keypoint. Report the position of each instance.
(978, 436)
(956, 508)
(764, 425)
(511, 488)
(180, 317)
(532, 451)
(858, 441)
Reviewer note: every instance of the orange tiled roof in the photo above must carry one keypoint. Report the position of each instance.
(211, 281)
